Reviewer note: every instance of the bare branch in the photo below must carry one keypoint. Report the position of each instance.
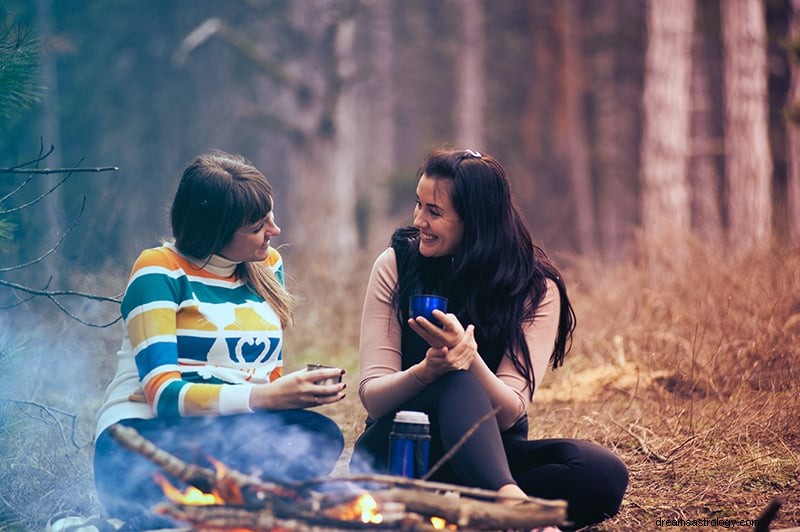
(56, 170)
(19, 187)
(41, 157)
(38, 198)
(52, 249)
(57, 293)
(214, 27)
(66, 311)
(18, 303)
(36, 161)
(51, 413)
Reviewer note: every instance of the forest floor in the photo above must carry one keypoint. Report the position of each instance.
(689, 371)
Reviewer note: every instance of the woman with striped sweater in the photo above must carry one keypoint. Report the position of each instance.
(200, 370)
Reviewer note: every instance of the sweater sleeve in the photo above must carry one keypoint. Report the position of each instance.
(157, 289)
(383, 386)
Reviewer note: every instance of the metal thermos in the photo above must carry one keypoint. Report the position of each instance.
(409, 444)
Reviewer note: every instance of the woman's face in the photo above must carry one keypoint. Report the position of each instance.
(441, 229)
(251, 241)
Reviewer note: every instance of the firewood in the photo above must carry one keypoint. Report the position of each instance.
(233, 486)
(252, 503)
(474, 514)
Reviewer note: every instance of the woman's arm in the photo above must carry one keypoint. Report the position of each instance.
(508, 388)
(383, 386)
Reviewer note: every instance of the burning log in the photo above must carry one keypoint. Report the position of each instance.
(231, 485)
(248, 502)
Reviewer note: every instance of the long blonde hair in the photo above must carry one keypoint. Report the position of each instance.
(220, 192)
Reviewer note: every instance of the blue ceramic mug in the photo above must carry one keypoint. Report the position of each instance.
(424, 305)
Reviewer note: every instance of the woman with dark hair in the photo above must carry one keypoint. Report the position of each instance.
(508, 318)
(200, 371)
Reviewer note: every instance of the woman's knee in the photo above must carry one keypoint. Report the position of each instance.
(460, 388)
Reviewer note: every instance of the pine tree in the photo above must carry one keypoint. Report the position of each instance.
(19, 73)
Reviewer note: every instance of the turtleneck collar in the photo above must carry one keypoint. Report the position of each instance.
(216, 264)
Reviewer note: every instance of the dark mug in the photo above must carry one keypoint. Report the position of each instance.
(424, 305)
(329, 380)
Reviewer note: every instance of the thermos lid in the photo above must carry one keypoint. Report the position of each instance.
(410, 416)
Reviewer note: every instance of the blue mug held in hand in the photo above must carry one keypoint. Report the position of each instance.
(424, 305)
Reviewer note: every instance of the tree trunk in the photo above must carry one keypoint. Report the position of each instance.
(748, 163)
(376, 184)
(321, 165)
(617, 118)
(665, 143)
(470, 88)
(574, 144)
(51, 223)
(704, 174)
(793, 127)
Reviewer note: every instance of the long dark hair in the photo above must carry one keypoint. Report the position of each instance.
(219, 193)
(498, 278)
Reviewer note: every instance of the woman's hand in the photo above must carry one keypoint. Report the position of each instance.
(298, 390)
(439, 361)
(449, 334)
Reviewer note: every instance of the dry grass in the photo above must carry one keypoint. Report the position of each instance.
(686, 366)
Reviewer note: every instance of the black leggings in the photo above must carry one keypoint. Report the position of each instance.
(279, 445)
(589, 477)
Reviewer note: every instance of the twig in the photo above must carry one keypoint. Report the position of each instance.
(642, 445)
(392, 480)
(57, 170)
(53, 294)
(51, 412)
(37, 199)
(41, 157)
(52, 249)
(57, 293)
(17, 189)
(66, 311)
(460, 443)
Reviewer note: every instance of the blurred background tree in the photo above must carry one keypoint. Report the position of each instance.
(338, 100)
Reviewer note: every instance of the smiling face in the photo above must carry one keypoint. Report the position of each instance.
(251, 241)
(441, 229)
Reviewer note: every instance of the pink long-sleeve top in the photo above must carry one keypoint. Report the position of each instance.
(384, 385)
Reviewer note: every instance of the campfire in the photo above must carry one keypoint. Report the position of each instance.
(226, 499)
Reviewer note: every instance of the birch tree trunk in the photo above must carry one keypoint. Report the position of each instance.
(665, 143)
(617, 116)
(470, 89)
(793, 127)
(748, 162)
(704, 175)
(575, 142)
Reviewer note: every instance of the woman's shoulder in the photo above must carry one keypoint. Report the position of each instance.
(161, 256)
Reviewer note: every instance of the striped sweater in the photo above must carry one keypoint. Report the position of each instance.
(196, 340)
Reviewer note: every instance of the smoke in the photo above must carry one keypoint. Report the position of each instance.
(54, 370)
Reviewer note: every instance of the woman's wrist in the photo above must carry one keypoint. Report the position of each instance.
(260, 398)
(419, 374)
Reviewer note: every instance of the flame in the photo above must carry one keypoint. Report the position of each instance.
(440, 524)
(190, 495)
(364, 508)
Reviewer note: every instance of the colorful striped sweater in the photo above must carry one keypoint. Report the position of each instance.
(197, 339)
